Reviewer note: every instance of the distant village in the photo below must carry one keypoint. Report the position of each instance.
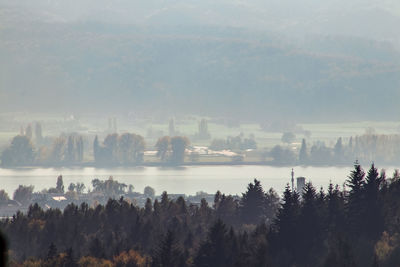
(103, 190)
(58, 198)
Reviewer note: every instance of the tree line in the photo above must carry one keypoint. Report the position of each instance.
(124, 149)
(357, 225)
(366, 148)
(127, 148)
(65, 149)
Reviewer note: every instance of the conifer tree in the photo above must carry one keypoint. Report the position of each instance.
(373, 211)
(252, 204)
(286, 224)
(355, 202)
(310, 236)
(335, 209)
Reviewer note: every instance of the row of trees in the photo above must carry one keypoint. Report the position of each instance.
(366, 148)
(319, 153)
(64, 150)
(127, 148)
(172, 149)
(354, 226)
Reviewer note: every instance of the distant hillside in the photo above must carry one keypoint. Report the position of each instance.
(49, 62)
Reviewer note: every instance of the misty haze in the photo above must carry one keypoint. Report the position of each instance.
(199, 133)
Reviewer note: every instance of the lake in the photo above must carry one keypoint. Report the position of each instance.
(187, 180)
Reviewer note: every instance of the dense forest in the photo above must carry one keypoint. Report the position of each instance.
(357, 225)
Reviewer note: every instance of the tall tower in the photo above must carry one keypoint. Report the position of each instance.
(292, 180)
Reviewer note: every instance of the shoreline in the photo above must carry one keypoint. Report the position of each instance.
(185, 164)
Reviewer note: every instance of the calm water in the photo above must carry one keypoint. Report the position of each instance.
(187, 180)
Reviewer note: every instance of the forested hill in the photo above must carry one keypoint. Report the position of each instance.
(183, 65)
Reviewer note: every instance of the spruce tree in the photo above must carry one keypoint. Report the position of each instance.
(252, 204)
(310, 224)
(335, 209)
(355, 203)
(286, 224)
(373, 211)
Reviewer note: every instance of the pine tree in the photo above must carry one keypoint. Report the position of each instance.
(372, 182)
(356, 179)
(286, 224)
(252, 204)
(335, 209)
(310, 224)
(271, 205)
(373, 212)
(355, 203)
